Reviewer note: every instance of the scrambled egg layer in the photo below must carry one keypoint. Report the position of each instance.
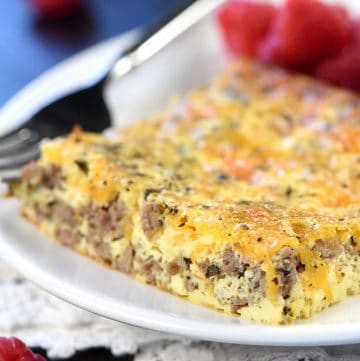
(256, 162)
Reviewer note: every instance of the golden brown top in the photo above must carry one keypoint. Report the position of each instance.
(258, 158)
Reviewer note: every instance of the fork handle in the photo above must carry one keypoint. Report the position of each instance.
(161, 35)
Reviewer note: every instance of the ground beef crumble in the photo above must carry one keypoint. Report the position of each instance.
(149, 269)
(151, 214)
(286, 267)
(63, 213)
(329, 248)
(173, 268)
(37, 176)
(258, 281)
(125, 261)
(236, 303)
(231, 264)
(103, 220)
(103, 250)
(67, 237)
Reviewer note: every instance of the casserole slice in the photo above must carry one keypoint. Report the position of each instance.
(242, 196)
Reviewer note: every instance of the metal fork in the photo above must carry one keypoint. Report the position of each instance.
(87, 104)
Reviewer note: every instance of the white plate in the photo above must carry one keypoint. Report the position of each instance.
(188, 62)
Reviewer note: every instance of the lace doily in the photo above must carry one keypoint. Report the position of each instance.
(42, 320)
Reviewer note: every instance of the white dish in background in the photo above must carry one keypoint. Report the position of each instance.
(188, 62)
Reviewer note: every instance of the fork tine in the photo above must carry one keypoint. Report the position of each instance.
(17, 140)
(19, 159)
(7, 175)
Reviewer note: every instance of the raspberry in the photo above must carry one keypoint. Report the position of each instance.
(12, 349)
(55, 8)
(342, 70)
(244, 24)
(356, 32)
(304, 33)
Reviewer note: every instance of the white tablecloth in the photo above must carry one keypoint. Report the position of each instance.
(42, 320)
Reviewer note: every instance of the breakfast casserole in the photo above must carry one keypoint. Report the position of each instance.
(243, 196)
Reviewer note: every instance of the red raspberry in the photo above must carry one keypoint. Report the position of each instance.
(342, 70)
(356, 32)
(12, 349)
(244, 25)
(55, 8)
(304, 33)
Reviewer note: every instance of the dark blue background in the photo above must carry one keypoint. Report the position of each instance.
(30, 45)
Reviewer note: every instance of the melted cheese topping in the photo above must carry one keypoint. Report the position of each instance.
(258, 159)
